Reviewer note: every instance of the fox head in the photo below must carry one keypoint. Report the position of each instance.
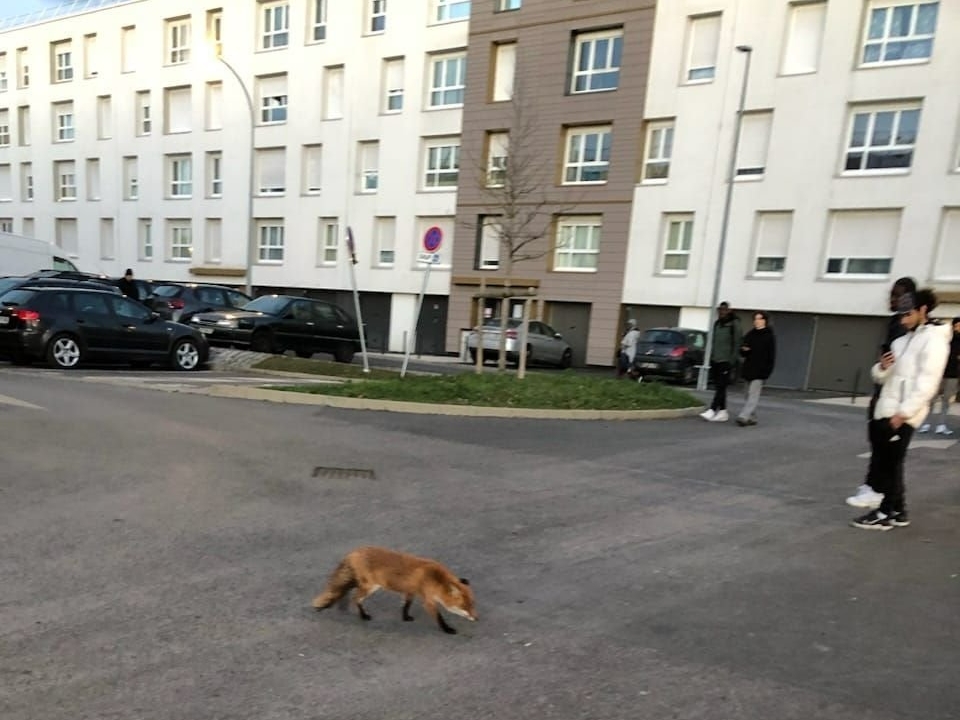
(458, 599)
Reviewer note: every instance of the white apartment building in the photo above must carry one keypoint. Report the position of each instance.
(125, 140)
(847, 175)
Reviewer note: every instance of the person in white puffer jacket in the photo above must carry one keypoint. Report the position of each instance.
(910, 375)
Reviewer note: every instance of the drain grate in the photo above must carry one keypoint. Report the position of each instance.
(336, 473)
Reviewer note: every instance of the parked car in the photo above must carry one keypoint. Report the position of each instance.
(11, 283)
(69, 325)
(545, 345)
(180, 303)
(673, 352)
(276, 323)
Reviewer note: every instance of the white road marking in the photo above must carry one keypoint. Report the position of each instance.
(7, 400)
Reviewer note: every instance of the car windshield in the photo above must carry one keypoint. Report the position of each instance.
(166, 290)
(495, 323)
(661, 337)
(16, 297)
(268, 304)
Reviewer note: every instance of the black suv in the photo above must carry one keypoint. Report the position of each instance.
(67, 326)
(181, 302)
(12, 283)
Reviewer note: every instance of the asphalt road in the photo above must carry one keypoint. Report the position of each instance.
(158, 553)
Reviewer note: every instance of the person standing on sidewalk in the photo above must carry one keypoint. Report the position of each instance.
(628, 348)
(759, 351)
(948, 387)
(723, 356)
(909, 375)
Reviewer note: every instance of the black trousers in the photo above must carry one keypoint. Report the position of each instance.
(888, 449)
(721, 379)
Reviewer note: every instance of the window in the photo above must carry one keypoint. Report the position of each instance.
(271, 171)
(329, 241)
(93, 179)
(178, 40)
(131, 179)
(144, 124)
(947, 265)
(63, 122)
(23, 129)
(128, 49)
(4, 128)
(270, 241)
(214, 174)
(65, 176)
(488, 248)
(862, 242)
(453, 10)
(213, 108)
(442, 165)
(596, 61)
(212, 240)
(28, 227)
(333, 92)
(104, 117)
(6, 183)
(91, 63)
(276, 25)
(273, 98)
(899, 32)
(588, 155)
(448, 78)
(62, 61)
(180, 239)
(312, 176)
(804, 38)
(659, 152)
(318, 19)
(23, 68)
(498, 150)
(26, 181)
(180, 176)
(578, 244)
(770, 242)
(703, 39)
(6, 225)
(678, 239)
(393, 85)
(369, 164)
(385, 235)
(378, 15)
(177, 110)
(4, 82)
(215, 31)
(145, 238)
(882, 140)
(508, 5)
(754, 141)
(65, 231)
(505, 66)
(107, 241)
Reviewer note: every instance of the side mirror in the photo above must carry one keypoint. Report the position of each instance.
(289, 316)
(558, 336)
(154, 316)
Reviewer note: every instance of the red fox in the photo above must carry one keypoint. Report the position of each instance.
(370, 568)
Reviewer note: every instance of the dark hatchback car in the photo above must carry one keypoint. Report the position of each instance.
(277, 323)
(670, 352)
(67, 326)
(181, 302)
(12, 283)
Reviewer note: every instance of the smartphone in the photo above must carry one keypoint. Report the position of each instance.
(885, 348)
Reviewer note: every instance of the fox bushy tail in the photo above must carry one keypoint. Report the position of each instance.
(342, 580)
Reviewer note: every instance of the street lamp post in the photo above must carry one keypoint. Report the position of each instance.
(251, 230)
(725, 225)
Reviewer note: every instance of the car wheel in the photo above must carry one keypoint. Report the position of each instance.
(262, 342)
(63, 351)
(344, 353)
(185, 355)
(306, 354)
(566, 360)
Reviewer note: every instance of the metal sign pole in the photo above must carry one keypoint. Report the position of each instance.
(356, 298)
(412, 337)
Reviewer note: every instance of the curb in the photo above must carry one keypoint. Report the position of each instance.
(295, 398)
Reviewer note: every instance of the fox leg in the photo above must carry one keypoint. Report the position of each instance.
(407, 602)
(431, 607)
(362, 593)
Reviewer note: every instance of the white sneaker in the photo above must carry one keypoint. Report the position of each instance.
(720, 416)
(866, 497)
(943, 430)
(707, 414)
(925, 428)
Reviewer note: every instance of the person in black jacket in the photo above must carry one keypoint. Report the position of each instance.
(948, 388)
(128, 287)
(759, 352)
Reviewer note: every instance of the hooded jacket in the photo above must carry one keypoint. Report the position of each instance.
(726, 340)
(759, 359)
(910, 383)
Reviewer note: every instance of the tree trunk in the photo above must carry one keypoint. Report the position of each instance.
(524, 327)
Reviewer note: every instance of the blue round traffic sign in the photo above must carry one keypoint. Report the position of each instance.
(432, 239)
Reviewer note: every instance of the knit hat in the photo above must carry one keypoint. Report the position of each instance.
(905, 304)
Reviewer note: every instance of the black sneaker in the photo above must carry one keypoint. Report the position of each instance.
(873, 520)
(899, 519)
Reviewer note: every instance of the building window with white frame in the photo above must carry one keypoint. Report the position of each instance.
(448, 80)
(771, 243)
(368, 153)
(6, 183)
(213, 110)
(312, 169)
(946, 268)
(385, 236)
(271, 171)
(804, 37)
(899, 32)
(488, 247)
(577, 244)
(145, 238)
(180, 239)
(503, 5)
(659, 151)
(144, 121)
(882, 140)
(587, 158)
(215, 174)
(378, 15)
(4, 82)
(108, 241)
(66, 175)
(178, 40)
(703, 42)
(128, 49)
(26, 181)
(213, 240)
(333, 81)
(276, 25)
(91, 60)
(4, 128)
(596, 61)
(504, 71)
(754, 143)
(23, 129)
(6, 225)
(93, 178)
(318, 19)
(215, 31)
(449, 10)
(131, 178)
(498, 152)
(62, 61)
(272, 92)
(23, 68)
(180, 176)
(861, 242)
(393, 85)
(63, 122)
(177, 110)
(442, 163)
(677, 242)
(270, 240)
(104, 117)
(67, 237)
(329, 241)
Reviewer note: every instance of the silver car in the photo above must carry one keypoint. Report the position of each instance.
(545, 345)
